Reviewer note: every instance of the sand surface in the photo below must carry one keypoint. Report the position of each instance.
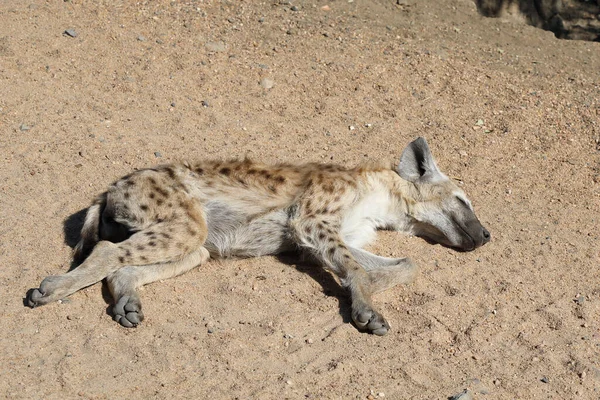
(508, 109)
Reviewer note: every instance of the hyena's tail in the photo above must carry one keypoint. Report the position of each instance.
(90, 233)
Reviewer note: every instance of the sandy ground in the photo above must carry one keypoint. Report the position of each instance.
(508, 110)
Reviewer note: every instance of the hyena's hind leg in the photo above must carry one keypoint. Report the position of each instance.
(96, 267)
(124, 282)
(163, 242)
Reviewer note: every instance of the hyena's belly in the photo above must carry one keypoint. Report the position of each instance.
(231, 233)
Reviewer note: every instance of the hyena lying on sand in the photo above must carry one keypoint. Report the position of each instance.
(161, 222)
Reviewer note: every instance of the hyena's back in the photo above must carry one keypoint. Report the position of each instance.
(234, 208)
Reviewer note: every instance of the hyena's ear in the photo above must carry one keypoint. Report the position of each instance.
(417, 164)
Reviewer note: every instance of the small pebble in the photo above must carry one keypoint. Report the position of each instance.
(210, 330)
(309, 341)
(141, 38)
(71, 33)
(217, 47)
(295, 8)
(545, 379)
(289, 382)
(267, 83)
(24, 127)
(157, 154)
(497, 382)
(173, 104)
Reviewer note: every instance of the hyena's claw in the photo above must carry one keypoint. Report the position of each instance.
(381, 329)
(128, 311)
(34, 298)
(371, 321)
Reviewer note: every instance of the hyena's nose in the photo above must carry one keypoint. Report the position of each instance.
(486, 235)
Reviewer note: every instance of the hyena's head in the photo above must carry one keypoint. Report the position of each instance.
(441, 211)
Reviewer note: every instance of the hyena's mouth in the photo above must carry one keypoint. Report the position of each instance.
(458, 240)
(473, 235)
(470, 245)
(467, 243)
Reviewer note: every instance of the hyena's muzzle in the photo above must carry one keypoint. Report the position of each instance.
(474, 234)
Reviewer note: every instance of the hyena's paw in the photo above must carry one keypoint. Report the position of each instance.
(370, 320)
(35, 298)
(128, 311)
(49, 291)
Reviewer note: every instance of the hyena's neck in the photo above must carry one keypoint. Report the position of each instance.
(399, 197)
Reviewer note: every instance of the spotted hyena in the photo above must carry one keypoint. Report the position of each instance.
(160, 222)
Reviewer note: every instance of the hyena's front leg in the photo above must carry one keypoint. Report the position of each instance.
(320, 236)
(385, 273)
